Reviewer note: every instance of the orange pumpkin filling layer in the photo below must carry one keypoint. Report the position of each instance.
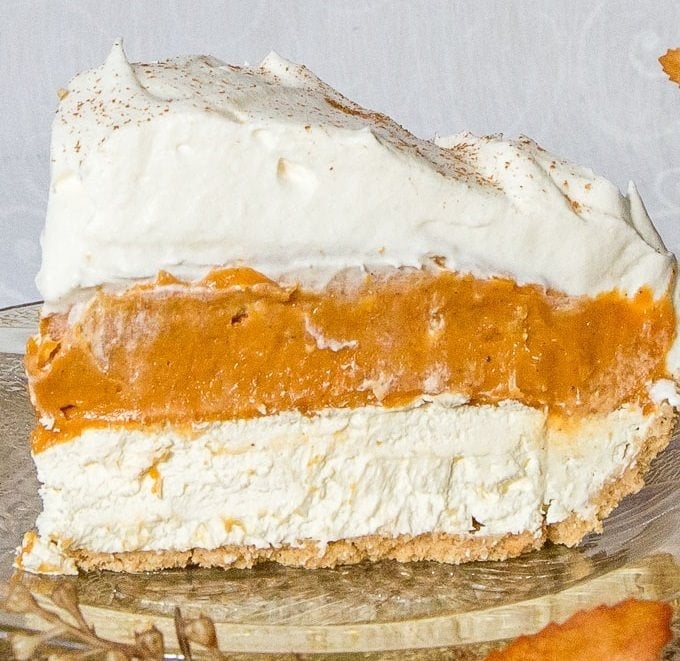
(237, 345)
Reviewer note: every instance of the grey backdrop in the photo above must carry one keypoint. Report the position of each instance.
(581, 77)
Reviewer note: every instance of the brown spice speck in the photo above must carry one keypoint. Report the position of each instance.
(576, 206)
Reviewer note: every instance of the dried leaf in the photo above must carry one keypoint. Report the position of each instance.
(630, 631)
(670, 62)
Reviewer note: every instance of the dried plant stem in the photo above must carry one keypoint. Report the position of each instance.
(148, 645)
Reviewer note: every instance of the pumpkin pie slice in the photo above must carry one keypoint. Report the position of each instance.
(279, 327)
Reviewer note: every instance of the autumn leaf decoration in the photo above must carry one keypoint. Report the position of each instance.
(66, 623)
(670, 62)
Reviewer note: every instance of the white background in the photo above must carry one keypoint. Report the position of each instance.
(580, 76)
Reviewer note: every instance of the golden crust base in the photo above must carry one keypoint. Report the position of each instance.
(454, 549)
(573, 529)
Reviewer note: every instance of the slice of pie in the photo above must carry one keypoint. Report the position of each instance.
(277, 326)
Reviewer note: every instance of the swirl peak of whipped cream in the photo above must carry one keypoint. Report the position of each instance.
(191, 163)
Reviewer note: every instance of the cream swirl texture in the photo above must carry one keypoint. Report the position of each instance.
(190, 163)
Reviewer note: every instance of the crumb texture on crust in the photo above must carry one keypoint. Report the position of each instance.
(452, 549)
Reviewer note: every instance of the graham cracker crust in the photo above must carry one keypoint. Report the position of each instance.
(573, 529)
(453, 549)
(441, 547)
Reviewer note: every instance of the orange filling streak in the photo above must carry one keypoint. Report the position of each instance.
(237, 345)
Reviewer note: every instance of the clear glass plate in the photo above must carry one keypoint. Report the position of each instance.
(364, 608)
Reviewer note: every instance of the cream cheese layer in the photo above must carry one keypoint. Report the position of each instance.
(477, 471)
(190, 163)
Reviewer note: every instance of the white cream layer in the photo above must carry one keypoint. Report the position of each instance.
(190, 163)
(437, 467)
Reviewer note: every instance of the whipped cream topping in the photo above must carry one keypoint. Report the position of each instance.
(191, 163)
(340, 474)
